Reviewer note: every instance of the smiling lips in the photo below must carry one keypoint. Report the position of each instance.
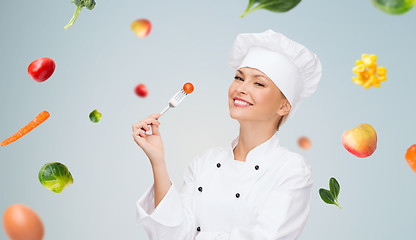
(238, 102)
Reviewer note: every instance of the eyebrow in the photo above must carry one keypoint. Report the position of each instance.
(260, 76)
(256, 76)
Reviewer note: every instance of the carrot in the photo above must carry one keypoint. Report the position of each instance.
(40, 118)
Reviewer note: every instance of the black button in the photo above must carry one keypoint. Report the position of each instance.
(218, 165)
(198, 229)
(200, 189)
(237, 195)
(256, 167)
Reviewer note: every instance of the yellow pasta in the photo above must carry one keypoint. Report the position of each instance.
(368, 74)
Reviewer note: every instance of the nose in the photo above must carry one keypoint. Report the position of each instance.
(242, 88)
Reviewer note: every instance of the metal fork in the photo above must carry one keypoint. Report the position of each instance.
(175, 100)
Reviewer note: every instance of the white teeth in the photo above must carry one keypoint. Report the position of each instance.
(241, 102)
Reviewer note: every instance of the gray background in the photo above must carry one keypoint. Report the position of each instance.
(99, 61)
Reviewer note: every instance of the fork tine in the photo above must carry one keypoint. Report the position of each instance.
(177, 96)
(181, 98)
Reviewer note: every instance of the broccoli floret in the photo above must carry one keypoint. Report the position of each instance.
(90, 4)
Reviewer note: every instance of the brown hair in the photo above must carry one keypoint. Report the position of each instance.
(281, 121)
(284, 117)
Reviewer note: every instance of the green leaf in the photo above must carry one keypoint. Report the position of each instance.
(334, 187)
(327, 196)
(278, 5)
(271, 5)
(394, 6)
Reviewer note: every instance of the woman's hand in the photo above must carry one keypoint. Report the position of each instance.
(151, 144)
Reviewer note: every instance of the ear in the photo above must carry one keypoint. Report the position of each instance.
(284, 108)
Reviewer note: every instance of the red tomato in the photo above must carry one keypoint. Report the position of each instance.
(188, 88)
(141, 90)
(41, 69)
(411, 157)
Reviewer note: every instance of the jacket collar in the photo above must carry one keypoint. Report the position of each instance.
(257, 153)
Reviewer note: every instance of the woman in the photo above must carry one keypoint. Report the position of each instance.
(255, 188)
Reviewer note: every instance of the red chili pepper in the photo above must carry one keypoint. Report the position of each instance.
(41, 69)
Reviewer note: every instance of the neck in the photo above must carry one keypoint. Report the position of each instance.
(252, 135)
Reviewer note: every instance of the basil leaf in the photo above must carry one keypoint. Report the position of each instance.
(271, 5)
(327, 196)
(278, 5)
(334, 187)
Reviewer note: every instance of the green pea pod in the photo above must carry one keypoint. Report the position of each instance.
(394, 7)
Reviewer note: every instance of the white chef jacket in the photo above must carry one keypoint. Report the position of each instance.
(267, 197)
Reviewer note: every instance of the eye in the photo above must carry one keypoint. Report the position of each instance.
(238, 78)
(259, 84)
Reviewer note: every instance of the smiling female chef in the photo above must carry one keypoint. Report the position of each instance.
(254, 188)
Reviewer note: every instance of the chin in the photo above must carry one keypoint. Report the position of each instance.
(239, 115)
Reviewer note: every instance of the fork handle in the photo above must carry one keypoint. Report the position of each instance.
(164, 110)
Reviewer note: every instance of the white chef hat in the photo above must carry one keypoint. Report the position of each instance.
(294, 69)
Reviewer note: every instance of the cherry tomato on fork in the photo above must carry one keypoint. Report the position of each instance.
(188, 88)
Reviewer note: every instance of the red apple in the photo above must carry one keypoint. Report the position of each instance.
(361, 141)
(141, 27)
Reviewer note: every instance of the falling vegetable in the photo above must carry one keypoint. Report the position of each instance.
(95, 116)
(55, 176)
(271, 5)
(40, 118)
(411, 157)
(331, 196)
(141, 90)
(41, 69)
(89, 4)
(394, 7)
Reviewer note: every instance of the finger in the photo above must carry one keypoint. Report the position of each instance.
(139, 140)
(135, 126)
(138, 125)
(141, 130)
(142, 125)
(141, 133)
(145, 128)
(151, 121)
(156, 115)
(155, 130)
